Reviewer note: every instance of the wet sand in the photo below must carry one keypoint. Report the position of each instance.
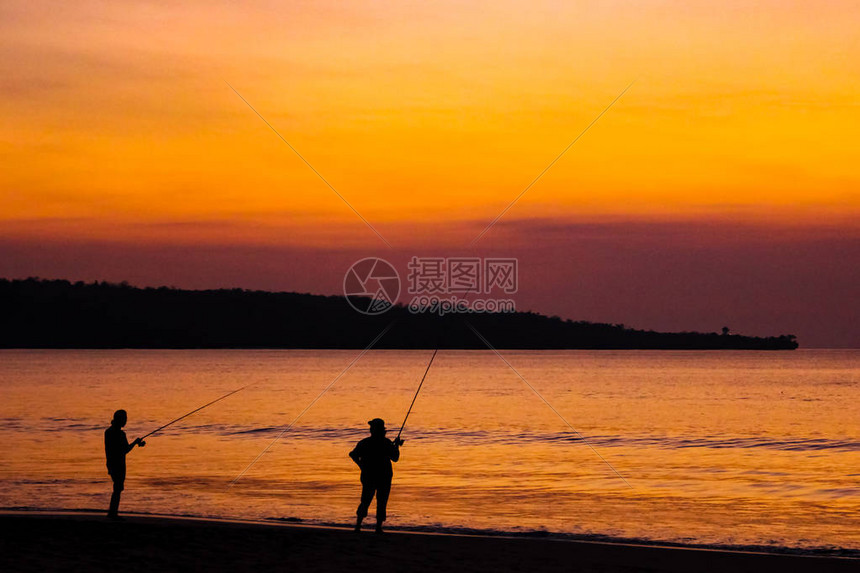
(68, 541)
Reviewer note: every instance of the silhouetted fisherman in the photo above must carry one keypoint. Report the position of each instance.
(116, 447)
(374, 456)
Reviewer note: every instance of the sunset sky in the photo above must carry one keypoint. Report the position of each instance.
(722, 189)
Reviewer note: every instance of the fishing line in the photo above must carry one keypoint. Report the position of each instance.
(193, 411)
(314, 401)
(420, 384)
(416, 394)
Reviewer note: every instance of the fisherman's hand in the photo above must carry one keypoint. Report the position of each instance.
(139, 443)
(398, 442)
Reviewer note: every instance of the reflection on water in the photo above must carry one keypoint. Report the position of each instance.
(739, 448)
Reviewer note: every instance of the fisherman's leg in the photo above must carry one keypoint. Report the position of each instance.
(382, 491)
(118, 486)
(113, 510)
(367, 491)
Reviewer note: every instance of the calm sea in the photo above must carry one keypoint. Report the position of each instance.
(739, 448)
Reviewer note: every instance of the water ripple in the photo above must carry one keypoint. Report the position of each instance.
(470, 437)
(465, 437)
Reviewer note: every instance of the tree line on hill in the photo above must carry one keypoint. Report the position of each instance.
(60, 314)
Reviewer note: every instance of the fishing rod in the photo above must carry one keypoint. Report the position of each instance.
(314, 401)
(193, 411)
(416, 395)
(438, 342)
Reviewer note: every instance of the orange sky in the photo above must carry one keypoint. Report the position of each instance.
(723, 188)
(118, 124)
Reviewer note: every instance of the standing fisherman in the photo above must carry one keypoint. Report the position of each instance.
(116, 447)
(374, 456)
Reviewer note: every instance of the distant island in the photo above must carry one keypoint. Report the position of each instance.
(60, 314)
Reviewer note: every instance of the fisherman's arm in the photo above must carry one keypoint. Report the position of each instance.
(395, 449)
(136, 442)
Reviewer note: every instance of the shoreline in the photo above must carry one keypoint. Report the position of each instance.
(458, 531)
(42, 539)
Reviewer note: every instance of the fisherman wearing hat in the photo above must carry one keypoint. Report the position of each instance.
(374, 456)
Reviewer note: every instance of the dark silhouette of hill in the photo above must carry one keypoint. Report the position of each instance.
(60, 314)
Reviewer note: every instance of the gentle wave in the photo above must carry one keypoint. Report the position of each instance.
(787, 443)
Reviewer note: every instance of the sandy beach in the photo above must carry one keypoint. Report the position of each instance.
(69, 541)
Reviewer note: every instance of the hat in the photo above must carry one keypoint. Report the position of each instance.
(377, 422)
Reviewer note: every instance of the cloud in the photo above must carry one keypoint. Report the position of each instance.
(665, 276)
